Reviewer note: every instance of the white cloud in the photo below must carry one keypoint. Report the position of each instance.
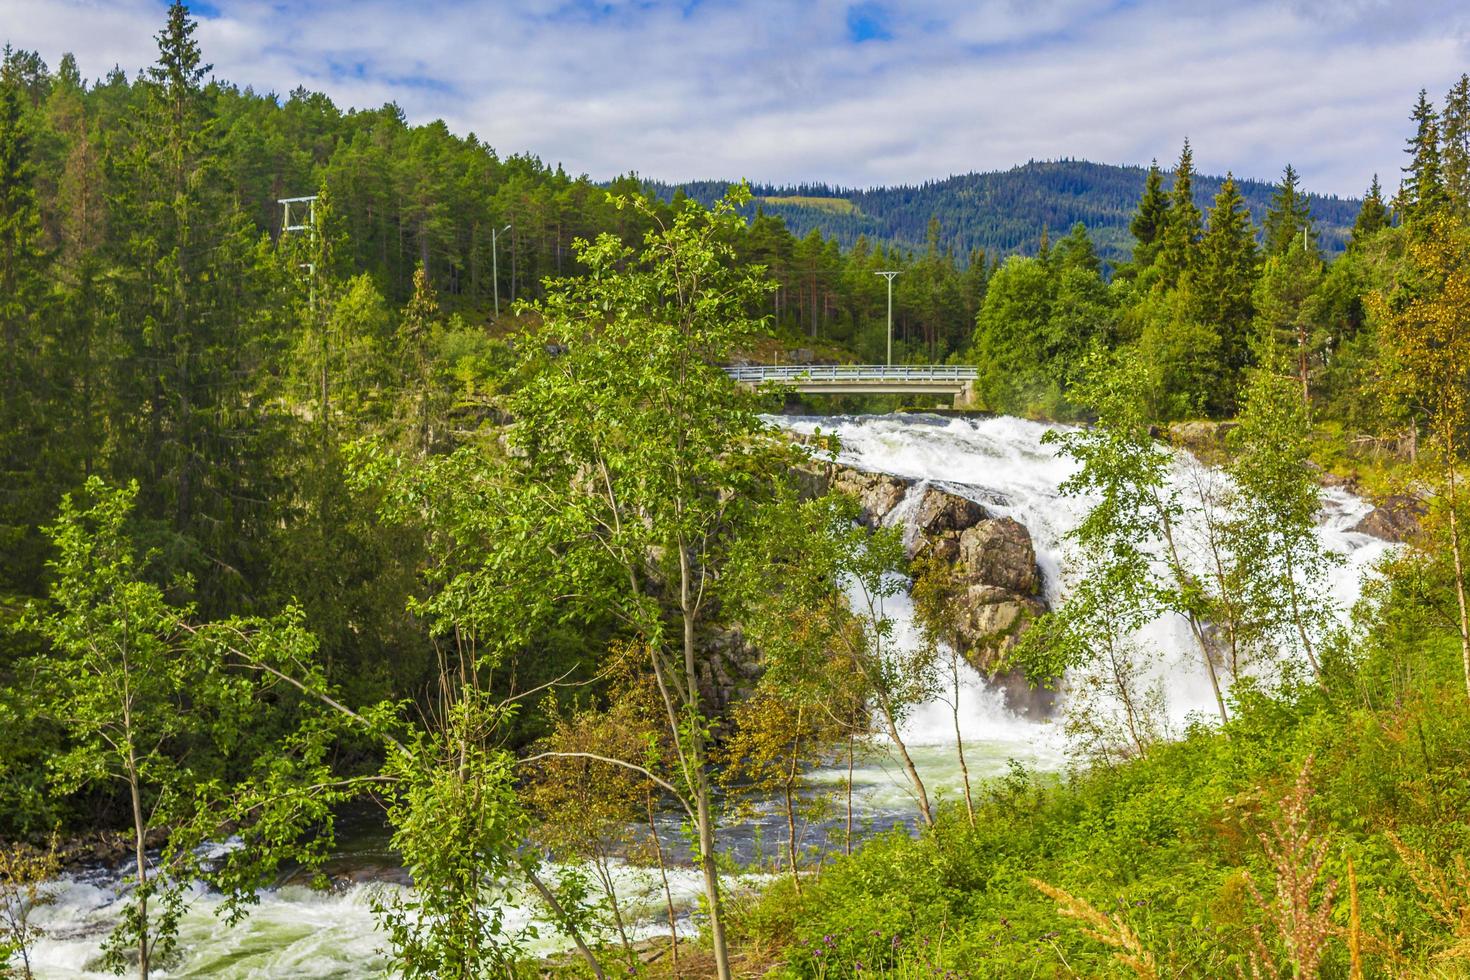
(777, 91)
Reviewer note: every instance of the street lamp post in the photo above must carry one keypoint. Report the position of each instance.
(889, 276)
(495, 263)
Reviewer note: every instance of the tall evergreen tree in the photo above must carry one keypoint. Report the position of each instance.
(1224, 279)
(1290, 215)
(1373, 217)
(1149, 221)
(25, 497)
(1182, 230)
(1456, 126)
(1422, 192)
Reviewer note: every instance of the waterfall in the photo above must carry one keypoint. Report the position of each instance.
(1002, 463)
(999, 462)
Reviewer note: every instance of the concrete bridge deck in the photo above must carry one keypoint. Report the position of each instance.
(862, 379)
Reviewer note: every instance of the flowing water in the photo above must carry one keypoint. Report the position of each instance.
(1001, 463)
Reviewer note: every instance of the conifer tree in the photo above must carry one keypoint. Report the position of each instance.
(1177, 253)
(1149, 221)
(1289, 215)
(1456, 126)
(1224, 279)
(1373, 216)
(1422, 192)
(22, 298)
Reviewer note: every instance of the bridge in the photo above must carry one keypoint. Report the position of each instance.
(863, 379)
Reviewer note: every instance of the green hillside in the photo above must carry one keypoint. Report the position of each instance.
(1003, 211)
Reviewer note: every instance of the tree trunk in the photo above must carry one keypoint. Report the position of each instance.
(1182, 578)
(561, 914)
(908, 764)
(959, 742)
(703, 817)
(663, 873)
(847, 842)
(1459, 562)
(140, 857)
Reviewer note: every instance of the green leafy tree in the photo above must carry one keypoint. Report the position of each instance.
(1273, 535)
(1135, 526)
(1425, 320)
(637, 432)
(1286, 312)
(169, 711)
(24, 320)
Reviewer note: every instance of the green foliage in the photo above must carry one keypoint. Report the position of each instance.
(185, 717)
(1290, 219)
(1423, 193)
(458, 827)
(1373, 216)
(1166, 843)
(1038, 318)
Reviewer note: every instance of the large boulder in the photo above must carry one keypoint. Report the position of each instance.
(998, 552)
(1396, 518)
(939, 512)
(877, 493)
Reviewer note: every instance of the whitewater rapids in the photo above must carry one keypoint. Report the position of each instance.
(1001, 463)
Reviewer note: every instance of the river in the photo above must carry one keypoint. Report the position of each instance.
(999, 462)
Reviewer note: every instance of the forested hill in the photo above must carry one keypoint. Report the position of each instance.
(1003, 211)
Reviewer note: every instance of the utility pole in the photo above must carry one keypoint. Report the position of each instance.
(495, 263)
(889, 276)
(309, 227)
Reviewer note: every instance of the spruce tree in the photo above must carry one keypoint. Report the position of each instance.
(24, 439)
(1422, 192)
(1289, 215)
(1224, 279)
(1373, 216)
(1183, 226)
(1456, 126)
(1148, 223)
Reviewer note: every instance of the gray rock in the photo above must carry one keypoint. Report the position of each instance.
(940, 511)
(1396, 518)
(999, 553)
(877, 493)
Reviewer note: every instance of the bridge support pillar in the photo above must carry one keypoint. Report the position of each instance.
(965, 397)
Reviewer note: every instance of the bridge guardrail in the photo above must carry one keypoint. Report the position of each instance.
(759, 374)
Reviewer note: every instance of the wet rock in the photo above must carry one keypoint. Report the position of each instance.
(939, 512)
(1396, 518)
(999, 553)
(939, 547)
(992, 622)
(1035, 701)
(877, 493)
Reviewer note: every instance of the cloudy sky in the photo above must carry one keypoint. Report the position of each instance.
(855, 93)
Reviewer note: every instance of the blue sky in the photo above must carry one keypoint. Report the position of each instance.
(854, 93)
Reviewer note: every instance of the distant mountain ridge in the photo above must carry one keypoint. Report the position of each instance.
(1003, 212)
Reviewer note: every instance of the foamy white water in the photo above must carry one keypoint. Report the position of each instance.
(1003, 464)
(999, 462)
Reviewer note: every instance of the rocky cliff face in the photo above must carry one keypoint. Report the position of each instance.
(992, 557)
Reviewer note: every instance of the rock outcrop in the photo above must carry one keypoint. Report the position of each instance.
(877, 493)
(991, 557)
(1396, 518)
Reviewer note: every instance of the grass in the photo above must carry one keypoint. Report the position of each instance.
(832, 205)
(1207, 856)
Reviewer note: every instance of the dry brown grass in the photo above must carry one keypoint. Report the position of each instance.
(1110, 930)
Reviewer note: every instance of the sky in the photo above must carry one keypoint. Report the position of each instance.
(857, 94)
